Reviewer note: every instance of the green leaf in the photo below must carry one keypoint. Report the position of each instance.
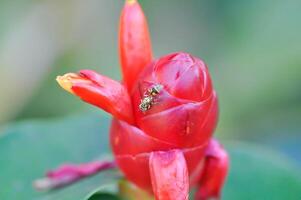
(259, 173)
(104, 193)
(103, 196)
(100, 194)
(28, 149)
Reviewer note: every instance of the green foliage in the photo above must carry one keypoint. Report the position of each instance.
(29, 148)
(99, 195)
(258, 173)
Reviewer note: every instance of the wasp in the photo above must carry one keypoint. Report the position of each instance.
(149, 97)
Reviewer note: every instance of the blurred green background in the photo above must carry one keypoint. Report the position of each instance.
(252, 49)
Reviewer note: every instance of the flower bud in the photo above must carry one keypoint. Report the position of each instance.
(179, 117)
(165, 112)
(185, 109)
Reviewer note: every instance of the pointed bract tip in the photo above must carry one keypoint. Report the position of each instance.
(68, 80)
(129, 2)
(44, 184)
(65, 81)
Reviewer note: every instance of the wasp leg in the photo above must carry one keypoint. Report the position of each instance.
(214, 173)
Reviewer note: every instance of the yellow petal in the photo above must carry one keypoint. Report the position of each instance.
(66, 81)
(129, 2)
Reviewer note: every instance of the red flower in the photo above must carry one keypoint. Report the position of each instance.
(165, 112)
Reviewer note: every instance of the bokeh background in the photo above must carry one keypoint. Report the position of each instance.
(252, 49)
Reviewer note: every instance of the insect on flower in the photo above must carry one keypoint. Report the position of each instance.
(169, 149)
(149, 97)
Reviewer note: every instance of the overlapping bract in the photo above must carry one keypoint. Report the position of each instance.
(172, 138)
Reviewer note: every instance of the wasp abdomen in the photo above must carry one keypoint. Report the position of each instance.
(148, 100)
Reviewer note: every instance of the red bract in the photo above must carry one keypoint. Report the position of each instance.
(164, 114)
